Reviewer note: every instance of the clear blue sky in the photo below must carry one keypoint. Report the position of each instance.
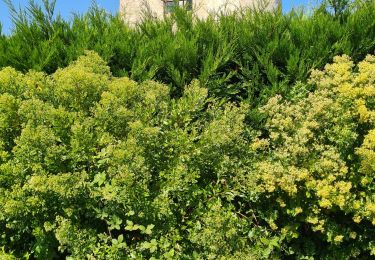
(67, 7)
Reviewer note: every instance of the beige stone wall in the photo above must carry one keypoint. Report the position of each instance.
(203, 8)
(132, 10)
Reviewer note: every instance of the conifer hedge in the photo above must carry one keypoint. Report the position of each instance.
(252, 55)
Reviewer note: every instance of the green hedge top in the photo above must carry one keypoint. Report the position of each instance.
(251, 55)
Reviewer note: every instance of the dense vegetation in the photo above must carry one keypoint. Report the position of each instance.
(105, 168)
(188, 140)
(243, 56)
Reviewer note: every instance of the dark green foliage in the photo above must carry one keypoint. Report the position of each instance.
(251, 55)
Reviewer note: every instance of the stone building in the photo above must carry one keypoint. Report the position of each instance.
(132, 10)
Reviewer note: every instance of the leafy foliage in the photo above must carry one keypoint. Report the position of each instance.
(251, 55)
(316, 160)
(256, 164)
(101, 167)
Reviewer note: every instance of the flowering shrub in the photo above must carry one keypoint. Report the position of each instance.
(98, 167)
(316, 161)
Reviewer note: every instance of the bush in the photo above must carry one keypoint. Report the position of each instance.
(94, 166)
(316, 162)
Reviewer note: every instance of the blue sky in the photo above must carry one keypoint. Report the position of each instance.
(67, 7)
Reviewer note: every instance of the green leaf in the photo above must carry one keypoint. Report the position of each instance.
(149, 228)
(120, 238)
(129, 225)
(100, 178)
(115, 223)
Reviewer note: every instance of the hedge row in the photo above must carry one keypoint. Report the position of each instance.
(245, 56)
(101, 167)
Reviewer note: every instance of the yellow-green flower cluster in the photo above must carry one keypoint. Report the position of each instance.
(318, 159)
